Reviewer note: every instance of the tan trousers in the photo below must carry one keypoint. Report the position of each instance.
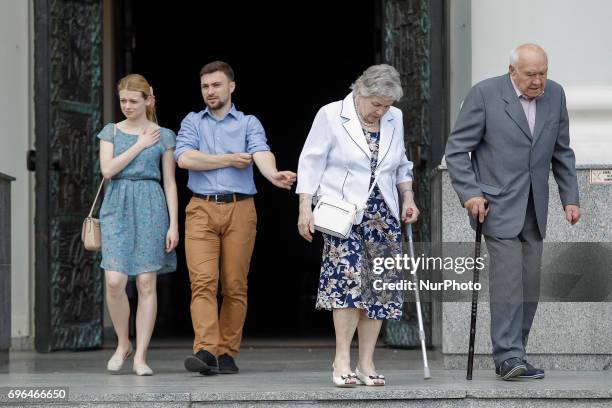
(219, 240)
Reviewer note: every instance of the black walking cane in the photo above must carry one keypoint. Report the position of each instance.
(470, 364)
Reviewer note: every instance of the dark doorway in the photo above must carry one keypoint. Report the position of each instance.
(290, 59)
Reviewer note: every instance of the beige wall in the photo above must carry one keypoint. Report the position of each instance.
(459, 53)
(15, 140)
(576, 36)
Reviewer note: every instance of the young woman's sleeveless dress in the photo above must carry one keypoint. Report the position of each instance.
(134, 215)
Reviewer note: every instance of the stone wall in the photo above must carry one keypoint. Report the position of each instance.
(566, 334)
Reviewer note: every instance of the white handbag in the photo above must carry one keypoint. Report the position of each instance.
(336, 217)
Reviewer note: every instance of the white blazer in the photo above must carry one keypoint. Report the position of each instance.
(335, 160)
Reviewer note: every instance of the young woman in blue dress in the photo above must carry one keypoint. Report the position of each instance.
(139, 220)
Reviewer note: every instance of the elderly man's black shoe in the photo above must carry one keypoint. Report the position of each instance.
(530, 373)
(202, 362)
(511, 368)
(227, 365)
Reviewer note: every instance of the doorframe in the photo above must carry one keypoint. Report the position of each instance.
(42, 75)
(49, 110)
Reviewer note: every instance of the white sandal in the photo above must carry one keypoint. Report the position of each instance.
(370, 380)
(344, 380)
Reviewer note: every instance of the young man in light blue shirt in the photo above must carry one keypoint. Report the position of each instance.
(219, 146)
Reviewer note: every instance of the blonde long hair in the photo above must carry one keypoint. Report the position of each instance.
(138, 83)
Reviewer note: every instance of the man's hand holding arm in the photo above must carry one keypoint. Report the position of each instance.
(197, 160)
(188, 154)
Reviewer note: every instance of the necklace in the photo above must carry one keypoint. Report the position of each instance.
(368, 126)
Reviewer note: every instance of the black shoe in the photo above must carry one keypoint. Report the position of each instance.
(202, 362)
(531, 372)
(227, 365)
(511, 368)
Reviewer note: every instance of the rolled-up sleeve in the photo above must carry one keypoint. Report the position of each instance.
(313, 159)
(187, 137)
(256, 136)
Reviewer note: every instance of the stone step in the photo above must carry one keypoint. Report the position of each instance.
(446, 388)
(291, 377)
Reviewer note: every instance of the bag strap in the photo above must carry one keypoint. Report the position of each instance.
(365, 205)
(96, 199)
(348, 170)
(101, 182)
(376, 174)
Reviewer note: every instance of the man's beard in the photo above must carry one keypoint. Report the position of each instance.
(218, 104)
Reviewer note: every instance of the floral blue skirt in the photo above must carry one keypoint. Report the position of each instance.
(134, 222)
(346, 271)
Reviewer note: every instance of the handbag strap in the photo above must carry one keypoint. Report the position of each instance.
(376, 174)
(365, 205)
(101, 182)
(96, 199)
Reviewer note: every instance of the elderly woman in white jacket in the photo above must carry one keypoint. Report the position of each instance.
(352, 144)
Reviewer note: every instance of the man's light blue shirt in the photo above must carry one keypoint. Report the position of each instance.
(235, 133)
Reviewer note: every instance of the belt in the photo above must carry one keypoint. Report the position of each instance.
(223, 198)
(136, 178)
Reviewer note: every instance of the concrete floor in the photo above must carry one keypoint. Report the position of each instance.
(283, 373)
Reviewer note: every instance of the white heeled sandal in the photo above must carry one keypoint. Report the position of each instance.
(370, 380)
(116, 362)
(344, 380)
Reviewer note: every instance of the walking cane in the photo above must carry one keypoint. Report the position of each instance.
(470, 364)
(426, 373)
